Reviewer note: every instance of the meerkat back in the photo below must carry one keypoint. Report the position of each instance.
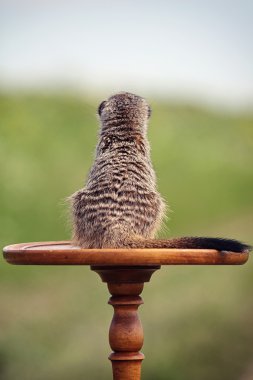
(120, 205)
(120, 201)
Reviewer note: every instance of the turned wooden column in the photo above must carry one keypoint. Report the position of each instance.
(126, 333)
(125, 271)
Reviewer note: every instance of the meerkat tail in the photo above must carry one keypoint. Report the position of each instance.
(218, 244)
(120, 206)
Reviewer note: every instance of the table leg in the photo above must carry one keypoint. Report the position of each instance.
(126, 333)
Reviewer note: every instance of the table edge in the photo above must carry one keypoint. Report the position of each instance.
(32, 254)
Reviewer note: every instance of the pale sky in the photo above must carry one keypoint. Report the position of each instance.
(194, 49)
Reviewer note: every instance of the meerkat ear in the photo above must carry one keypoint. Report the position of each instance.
(100, 108)
(149, 111)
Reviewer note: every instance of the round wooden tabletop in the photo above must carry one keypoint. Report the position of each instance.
(63, 253)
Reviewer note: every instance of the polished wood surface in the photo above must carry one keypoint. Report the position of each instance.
(126, 333)
(125, 271)
(63, 253)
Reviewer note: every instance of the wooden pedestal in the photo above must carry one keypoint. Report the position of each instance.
(125, 271)
(126, 333)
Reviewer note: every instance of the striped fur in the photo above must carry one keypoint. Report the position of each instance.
(120, 205)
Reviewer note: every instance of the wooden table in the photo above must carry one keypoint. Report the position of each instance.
(124, 271)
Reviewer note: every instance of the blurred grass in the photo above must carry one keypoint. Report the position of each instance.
(54, 320)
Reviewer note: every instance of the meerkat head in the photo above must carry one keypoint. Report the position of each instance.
(125, 108)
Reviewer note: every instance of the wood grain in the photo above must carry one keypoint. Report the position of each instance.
(126, 333)
(125, 271)
(63, 253)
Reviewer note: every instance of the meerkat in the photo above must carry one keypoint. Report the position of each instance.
(120, 206)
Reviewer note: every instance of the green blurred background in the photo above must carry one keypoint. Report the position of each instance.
(54, 320)
(198, 321)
